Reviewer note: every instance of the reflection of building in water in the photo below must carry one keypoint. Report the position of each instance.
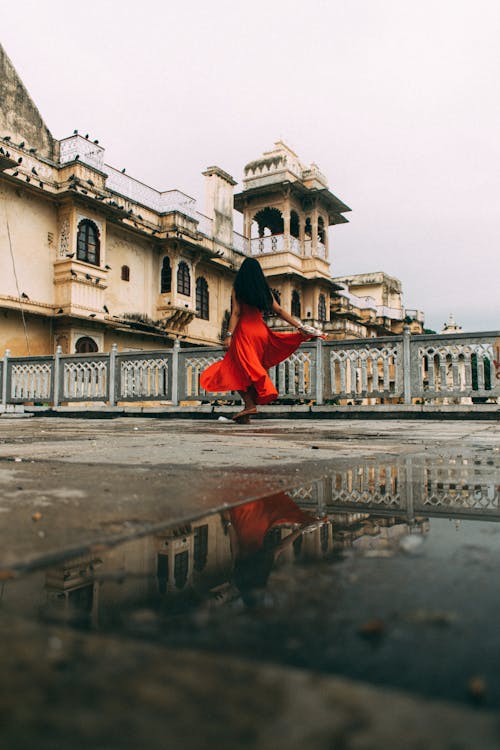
(363, 531)
(193, 560)
(72, 588)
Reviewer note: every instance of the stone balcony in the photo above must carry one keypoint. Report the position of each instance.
(279, 243)
(80, 288)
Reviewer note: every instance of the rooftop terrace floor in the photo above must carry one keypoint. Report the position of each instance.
(389, 641)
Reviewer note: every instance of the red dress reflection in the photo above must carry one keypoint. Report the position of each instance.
(253, 520)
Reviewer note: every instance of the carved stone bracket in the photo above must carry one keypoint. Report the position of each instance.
(178, 318)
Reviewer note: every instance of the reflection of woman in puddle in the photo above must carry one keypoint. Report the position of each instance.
(254, 549)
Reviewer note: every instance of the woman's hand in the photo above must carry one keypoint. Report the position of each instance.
(226, 343)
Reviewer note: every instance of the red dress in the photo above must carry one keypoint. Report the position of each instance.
(253, 520)
(254, 349)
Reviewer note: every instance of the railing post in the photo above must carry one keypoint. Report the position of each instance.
(4, 377)
(406, 365)
(319, 371)
(112, 375)
(175, 372)
(410, 512)
(57, 376)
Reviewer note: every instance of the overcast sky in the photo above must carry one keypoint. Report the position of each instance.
(397, 101)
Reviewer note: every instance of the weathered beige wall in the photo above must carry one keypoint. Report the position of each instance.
(136, 295)
(12, 336)
(19, 116)
(33, 231)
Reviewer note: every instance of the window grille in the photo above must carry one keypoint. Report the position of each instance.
(202, 299)
(322, 308)
(181, 567)
(183, 279)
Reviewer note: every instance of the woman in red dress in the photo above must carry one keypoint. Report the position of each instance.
(252, 348)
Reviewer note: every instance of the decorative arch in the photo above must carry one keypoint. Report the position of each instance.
(294, 224)
(321, 230)
(202, 298)
(88, 242)
(183, 279)
(166, 276)
(86, 345)
(270, 219)
(296, 305)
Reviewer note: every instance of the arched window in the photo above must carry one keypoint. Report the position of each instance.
(294, 224)
(276, 295)
(308, 228)
(85, 345)
(200, 550)
(183, 279)
(270, 219)
(87, 242)
(202, 298)
(322, 307)
(181, 569)
(296, 304)
(166, 276)
(321, 230)
(125, 273)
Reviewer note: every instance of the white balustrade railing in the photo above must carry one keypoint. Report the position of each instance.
(241, 243)
(205, 224)
(86, 150)
(395, 313)
(321, 250)
(435, 369)
(273, 243)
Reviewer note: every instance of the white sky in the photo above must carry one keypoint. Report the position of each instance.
(396, 100)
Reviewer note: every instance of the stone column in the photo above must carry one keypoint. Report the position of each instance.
(314, 228)
(286, 227)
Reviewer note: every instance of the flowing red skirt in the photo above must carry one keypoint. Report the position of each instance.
(254, 349)
(253, 520)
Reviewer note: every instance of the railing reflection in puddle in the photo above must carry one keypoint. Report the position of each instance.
(465, 485)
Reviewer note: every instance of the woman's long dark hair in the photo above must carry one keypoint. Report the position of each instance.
(251, 287)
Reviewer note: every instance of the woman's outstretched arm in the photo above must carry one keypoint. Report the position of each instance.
(285, 316)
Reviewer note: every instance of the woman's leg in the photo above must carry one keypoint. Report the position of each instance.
(250, 400)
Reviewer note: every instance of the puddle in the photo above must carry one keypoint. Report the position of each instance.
(383, 572)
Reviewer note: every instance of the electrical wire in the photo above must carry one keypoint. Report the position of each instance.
(25, 327)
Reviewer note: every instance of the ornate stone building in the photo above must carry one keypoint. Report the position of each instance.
(90, 255)
(287, 209)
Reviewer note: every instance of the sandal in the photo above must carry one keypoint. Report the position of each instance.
(245, 413)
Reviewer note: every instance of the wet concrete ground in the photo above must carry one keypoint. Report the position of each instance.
(394, 593)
